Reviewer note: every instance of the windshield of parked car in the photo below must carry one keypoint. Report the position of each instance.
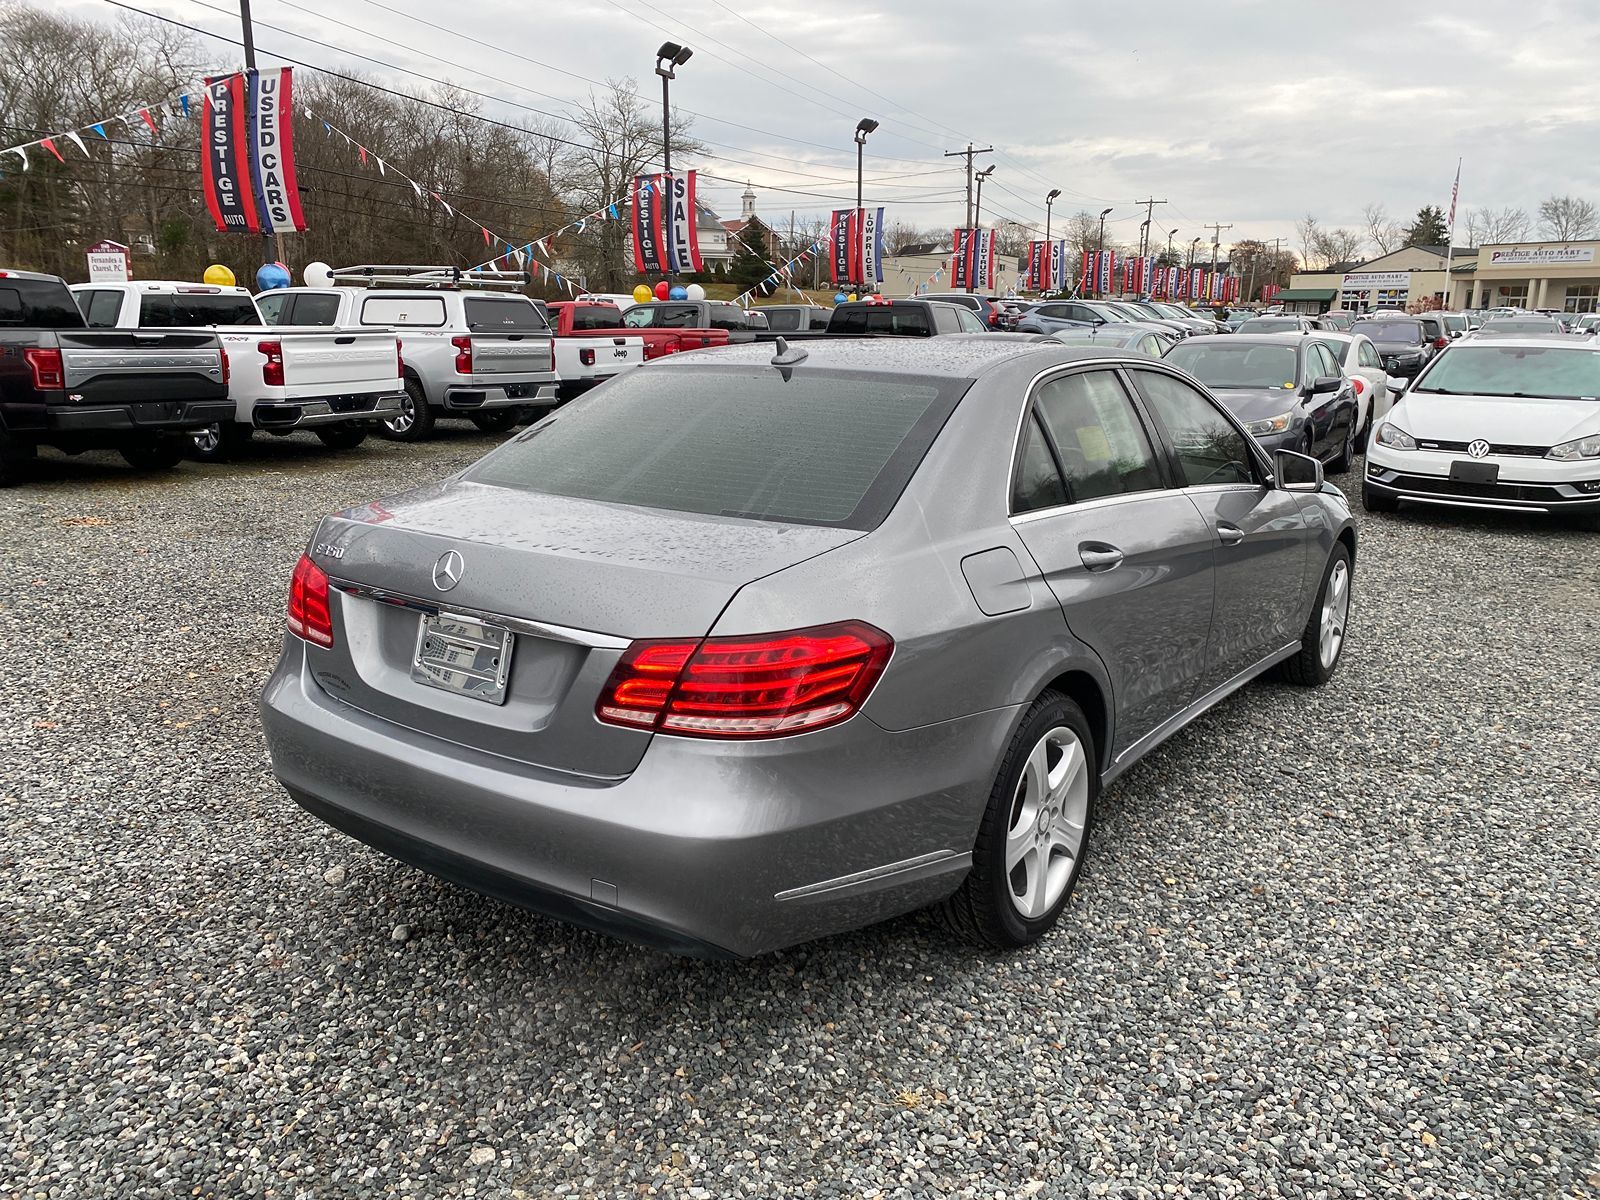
(1271, 325)
(1489, 370)
(159, 310)
(1521, 325)
(1405, 333)
(809, 447)
(1233, 366)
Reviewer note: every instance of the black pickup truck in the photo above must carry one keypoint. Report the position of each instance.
(62, 384)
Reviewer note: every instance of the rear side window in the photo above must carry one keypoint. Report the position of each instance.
(1103, 449)
(504, 316)
(820, 448)
(38, 304)
(1038, 484)
(595, 316)
(177, 310)
(418, 311)
(274, 308)
(970, 322)
(945, 319)
(310, 309)
(100, 308)
(727, 316)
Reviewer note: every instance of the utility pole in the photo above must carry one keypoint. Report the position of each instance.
(1149, 215)
(250, 67)
(1216, 242)
(967, 154)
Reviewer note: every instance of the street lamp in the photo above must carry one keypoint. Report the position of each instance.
(1104, 213)
(1050, 198)
(977, 210)
(1171, 233)
(1192, 245)
(863, 127)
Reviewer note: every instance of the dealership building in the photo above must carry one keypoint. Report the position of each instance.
(1412, 277)
(1563, 276)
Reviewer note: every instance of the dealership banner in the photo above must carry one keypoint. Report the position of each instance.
(870, 223)
(649, 238)
(277, 199)
(1058, 265)
(973, 259)
(224, 156)
(1108, 263)
(840, 259)
(983, 259)
(1039, 264)
(682, 228)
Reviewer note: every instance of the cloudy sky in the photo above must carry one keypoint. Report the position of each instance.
(1248, 112)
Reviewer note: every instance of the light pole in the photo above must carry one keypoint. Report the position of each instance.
(863, 127)
(977, 215)
(668, 58)
(1104, 213)
(1049, 199)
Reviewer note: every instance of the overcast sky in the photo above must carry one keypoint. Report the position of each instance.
(1249, 112)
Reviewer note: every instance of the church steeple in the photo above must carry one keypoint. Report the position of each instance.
(748, 208)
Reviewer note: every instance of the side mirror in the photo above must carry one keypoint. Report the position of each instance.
(1323, 384)
(1296, 472)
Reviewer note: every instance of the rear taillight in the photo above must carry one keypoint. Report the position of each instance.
(1440, 343)
(272, 369)
(586, 357)
(552, 365)
(309, 615)
(45, 363)
(1359, 384)
(767, 685)
(227, 367)
(399, 359)
(463, 347)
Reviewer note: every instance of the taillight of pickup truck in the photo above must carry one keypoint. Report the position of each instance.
(45, 363)
(272, 369)
(463, 347)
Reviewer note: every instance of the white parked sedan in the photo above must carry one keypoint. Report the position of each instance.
(1361, 361)
(1507, 423)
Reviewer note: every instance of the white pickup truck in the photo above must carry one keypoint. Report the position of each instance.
(484, 355)
(332, 382)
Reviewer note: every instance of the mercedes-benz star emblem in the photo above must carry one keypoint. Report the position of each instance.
(447, 571)
(1478, 448)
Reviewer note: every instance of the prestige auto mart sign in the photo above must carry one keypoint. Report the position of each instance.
(1542, 256)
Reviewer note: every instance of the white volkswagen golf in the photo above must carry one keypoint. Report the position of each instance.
(1512, 423)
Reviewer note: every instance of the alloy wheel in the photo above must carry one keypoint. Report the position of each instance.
(1044, 837)
(1335, 614)
(403, 420)
(209, 439)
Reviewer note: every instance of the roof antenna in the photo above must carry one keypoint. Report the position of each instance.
(787, 357)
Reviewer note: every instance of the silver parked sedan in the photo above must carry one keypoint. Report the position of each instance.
(752, 646)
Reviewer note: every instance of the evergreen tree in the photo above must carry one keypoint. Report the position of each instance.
(748, 265)
(1429, 228)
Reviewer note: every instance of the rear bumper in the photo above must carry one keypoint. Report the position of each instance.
(706, 848)
(315, 411)
(473, 397)
(91, 421)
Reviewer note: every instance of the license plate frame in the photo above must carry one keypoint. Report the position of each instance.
(1465, 471)
(463, 656)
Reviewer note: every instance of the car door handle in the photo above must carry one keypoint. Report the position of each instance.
(1231, 535)
(1099, 556)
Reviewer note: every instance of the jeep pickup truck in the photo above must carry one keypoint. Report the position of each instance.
(484, 355)
(332, 382)
(65, 385)
(591, 346)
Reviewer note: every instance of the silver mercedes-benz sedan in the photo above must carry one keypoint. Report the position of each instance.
(755, 645)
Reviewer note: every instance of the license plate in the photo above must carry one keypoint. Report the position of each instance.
(517, 391)
(458, 654)
(1475, 472)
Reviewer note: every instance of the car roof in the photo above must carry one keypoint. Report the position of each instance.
(1291, 340)
(1530, 341)
(961, 357)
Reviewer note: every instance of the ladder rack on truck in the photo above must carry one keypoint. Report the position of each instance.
(430, 277)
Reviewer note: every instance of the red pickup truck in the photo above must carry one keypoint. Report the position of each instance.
(583, 318)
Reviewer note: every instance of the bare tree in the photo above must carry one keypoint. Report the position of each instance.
(1568, 218)
(1382, 231)
(1488, 226)
(1309, 232)
(1339, 245)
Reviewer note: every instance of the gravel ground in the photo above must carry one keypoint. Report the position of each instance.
(1339, 943)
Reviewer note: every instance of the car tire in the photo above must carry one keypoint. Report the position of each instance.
(159, 453)
(1034, 833)
(415, 419)
(1322, 641)
(1347, 454)
(218, 441)
(1378, 502)
(499, 420)
(341, 437)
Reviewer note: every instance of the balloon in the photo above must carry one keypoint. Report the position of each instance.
(218, 275)
(642, 294)
(663, 290)
(839, 297)
(680, 293)
(854, 297)
(695, 292)
(318, 275)
(270, 276)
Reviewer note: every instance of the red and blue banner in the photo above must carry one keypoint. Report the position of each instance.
(666, 234)
(649, 237)
(973, 261)
(682, 224)
(273, 187)
(224, 156)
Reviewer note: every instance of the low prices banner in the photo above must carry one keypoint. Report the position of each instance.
(870, 223)
(224, 174)
(666, 234)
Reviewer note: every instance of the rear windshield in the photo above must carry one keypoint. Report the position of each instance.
(1226, 366)
(820, 448)
(180, 309)
(663, 316)
(900, 319)
(596, 316)
(1521, 325)
(786, 318)
(1490, 370)
(1406, 332)
(1271, 325)
(38, 304)
(508, 315)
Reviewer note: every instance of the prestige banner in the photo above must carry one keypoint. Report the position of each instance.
(224, 169)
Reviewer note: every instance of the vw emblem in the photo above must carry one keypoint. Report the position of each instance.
(448, 570)
(1478, 448)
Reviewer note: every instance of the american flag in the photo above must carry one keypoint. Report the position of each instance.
(1455, 190)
